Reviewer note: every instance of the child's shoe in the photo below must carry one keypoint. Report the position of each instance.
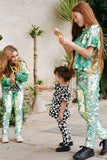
(70, 143)
(19, 138)
(5, 139)
(63, 149)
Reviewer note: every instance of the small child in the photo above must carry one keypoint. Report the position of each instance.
(59, 108)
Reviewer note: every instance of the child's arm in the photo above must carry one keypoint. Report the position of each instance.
(44, 87)
(63, 106)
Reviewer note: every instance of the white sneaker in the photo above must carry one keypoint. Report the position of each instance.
(5, 139)
(19, 138)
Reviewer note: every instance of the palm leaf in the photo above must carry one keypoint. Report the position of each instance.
(67, 57)
(35, 31)
(105, 46)
(64, 8)
(39, 32)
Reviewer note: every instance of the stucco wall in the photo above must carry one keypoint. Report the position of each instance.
(16, 18)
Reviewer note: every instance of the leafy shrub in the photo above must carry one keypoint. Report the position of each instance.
(26, 109)
(103, 82)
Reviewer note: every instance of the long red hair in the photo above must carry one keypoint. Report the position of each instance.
(90, 19)
(5, 58)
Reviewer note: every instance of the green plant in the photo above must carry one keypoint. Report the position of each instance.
(32, 86)
(34, 33)
(0, 53)
(67, 58)
(1, 37)
(64, 8)
(105, 46)
(103, 82)
(26, 109)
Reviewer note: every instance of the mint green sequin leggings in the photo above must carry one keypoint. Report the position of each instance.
(8, 99)
(88, 105)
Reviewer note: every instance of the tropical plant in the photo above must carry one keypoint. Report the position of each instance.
(103, 82)
(64, 8)
(105, 46)
(1, 37)
(34, 33)
(67, 58)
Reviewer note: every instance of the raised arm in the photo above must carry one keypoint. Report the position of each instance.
(69, 46)
(44, 87)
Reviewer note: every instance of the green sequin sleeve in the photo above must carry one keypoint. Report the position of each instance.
(94, 37)
(22, 75)
(6, 82)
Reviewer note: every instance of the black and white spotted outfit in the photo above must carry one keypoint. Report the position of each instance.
(62, 93)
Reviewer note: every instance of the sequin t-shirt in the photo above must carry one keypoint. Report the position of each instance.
(61, 93)
(90, 37)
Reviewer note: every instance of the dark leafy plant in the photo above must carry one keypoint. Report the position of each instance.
(103, 82)
(64, 8)
(1, 37)
(105, 46)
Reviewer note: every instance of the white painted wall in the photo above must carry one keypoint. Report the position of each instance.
(16, 18)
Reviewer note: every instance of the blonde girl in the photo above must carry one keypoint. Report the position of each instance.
(13, 74)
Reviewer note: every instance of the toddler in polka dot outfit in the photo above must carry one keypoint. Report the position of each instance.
(59, 108)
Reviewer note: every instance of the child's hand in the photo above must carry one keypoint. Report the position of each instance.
(60, 116)
(38, 86)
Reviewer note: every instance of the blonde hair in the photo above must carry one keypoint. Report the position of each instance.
(5, 58)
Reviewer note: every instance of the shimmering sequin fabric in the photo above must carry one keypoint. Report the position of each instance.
(13, 97)
(88, 77)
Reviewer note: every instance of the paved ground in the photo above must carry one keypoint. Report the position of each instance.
(41, 137)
